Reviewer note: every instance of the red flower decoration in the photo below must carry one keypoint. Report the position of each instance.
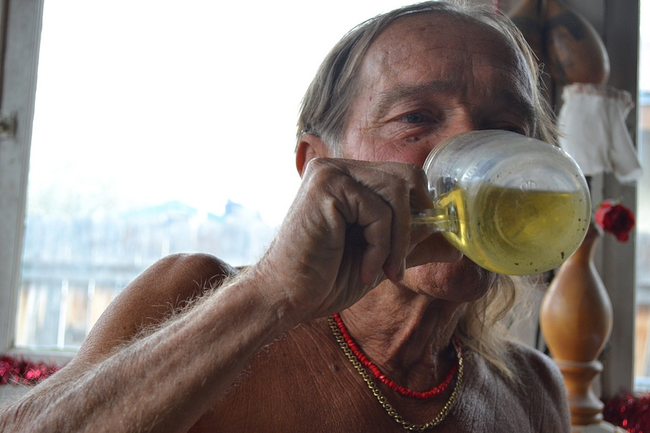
(615, 218)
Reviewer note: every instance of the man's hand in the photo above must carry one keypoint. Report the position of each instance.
(347, 230)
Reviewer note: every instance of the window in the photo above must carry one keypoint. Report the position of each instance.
(168, 128)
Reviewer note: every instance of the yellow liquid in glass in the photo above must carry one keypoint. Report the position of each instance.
(516, 232)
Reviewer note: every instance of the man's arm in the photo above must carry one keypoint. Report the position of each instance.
(164, 381)
(348, 226)
(165, 288)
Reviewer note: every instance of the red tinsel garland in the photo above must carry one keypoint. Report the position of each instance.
(23, 372)
(631, 412)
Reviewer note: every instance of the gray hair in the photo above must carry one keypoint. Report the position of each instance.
(326, 104)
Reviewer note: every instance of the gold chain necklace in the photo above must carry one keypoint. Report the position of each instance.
(390, 410)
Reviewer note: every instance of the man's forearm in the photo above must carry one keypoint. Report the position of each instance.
(164, 381)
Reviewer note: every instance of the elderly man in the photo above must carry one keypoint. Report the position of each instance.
(194, 345)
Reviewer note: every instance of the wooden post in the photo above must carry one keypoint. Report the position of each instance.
(576, 321)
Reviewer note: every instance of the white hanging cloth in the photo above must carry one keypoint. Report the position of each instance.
(593, 131)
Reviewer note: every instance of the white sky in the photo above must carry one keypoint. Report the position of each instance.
(157, 100)
(146, 101)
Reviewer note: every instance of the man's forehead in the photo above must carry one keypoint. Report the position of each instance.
(427, 40)
(436, 28)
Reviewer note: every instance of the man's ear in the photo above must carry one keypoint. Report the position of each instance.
(310, 147)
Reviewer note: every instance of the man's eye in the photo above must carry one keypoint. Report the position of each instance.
(414, 118)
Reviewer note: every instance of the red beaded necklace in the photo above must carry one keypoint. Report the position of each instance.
(382, 377)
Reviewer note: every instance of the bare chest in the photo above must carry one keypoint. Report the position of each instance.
(304, 383)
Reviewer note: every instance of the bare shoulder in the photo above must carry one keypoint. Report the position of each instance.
(151, 298)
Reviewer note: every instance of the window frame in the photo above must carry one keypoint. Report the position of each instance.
(20, 30)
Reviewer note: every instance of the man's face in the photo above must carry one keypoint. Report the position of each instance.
(426, 78)
(431, 76)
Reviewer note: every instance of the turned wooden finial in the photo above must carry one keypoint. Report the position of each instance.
(576, 321)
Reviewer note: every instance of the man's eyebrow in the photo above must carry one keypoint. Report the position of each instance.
(503, 98)
(390, 97)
